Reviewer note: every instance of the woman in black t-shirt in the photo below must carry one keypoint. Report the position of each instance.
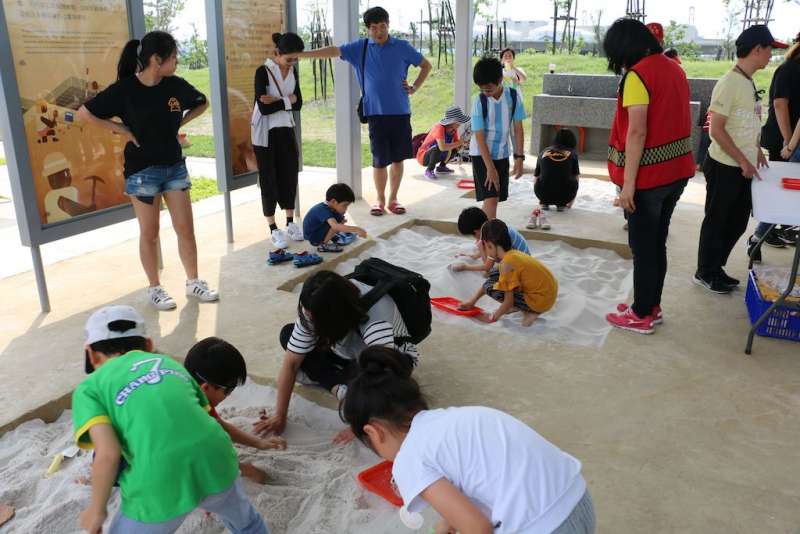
(153, 104)
(557, 172)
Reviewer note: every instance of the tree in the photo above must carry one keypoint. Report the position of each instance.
(194, 51)
(480, 7)
(734, 11)
(598, 30)
(159, 14)
(675, 37)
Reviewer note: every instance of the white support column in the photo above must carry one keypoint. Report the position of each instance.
(348, 129)
(462, 84)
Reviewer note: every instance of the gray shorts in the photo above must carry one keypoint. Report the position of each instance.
(581, 520)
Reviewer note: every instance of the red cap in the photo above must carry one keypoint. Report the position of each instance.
(656, 29)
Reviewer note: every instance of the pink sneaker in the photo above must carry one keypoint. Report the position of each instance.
(628, 320)
(656, 314)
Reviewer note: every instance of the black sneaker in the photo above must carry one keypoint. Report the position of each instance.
(728, 280)
(715, 284)
(789, 235)
(774, 239)
(751, 252)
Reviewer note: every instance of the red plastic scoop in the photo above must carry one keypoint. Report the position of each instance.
(791, 183)
(466, 183)
(378, 480)
(450, 305)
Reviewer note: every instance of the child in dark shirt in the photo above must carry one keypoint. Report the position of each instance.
(326, 219)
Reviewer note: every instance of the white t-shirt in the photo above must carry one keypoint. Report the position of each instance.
(518, 479)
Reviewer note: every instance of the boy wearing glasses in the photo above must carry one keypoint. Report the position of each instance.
(734, 158)
(218, 367)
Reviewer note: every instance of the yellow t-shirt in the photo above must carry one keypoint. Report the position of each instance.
(521, 272)
(734, 97)
(634, 93)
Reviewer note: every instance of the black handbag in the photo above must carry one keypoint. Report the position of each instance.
(360, 108)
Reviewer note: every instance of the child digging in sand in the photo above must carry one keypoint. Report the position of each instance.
(480, 468)
(218, 367)
(470, 222)
(326, 219)
(521, 282)
(145, 408)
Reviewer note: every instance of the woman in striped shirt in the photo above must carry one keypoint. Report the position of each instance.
(331, 330)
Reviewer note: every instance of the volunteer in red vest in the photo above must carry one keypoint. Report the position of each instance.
(649, 157)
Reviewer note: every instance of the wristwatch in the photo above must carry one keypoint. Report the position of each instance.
(519, 156)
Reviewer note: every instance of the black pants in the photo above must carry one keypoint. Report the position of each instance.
(555, 191)
(433, 156)
(323, 366)
(648, 228)
(728, 206)
(278, 165)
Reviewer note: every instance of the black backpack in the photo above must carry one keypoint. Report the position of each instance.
(408, 290)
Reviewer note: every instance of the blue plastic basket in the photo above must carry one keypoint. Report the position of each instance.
(782, 323)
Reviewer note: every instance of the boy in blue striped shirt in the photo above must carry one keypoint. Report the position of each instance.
(495, 110)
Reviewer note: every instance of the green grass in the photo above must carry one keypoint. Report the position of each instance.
(2, 161)
(428, 105)
(203, 188)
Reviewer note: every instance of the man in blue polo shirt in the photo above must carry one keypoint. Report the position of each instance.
(385, 98)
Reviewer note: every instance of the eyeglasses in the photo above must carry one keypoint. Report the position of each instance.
(227, 390)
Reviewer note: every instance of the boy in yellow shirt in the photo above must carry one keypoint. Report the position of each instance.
(521, 283)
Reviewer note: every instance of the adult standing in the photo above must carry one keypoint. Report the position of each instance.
(650, 158)
(381, 63)
(733, 158)
(153, 104)
(277, 90)
(784, 113)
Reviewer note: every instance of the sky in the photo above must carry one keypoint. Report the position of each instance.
(708, 14)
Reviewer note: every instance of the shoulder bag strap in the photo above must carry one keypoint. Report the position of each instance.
(274, 79)
(363, 62)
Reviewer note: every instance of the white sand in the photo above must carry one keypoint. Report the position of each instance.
(591, 283)
(311, 488)
(593, 195)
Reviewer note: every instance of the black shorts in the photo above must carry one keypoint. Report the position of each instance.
(389, 139)
(479, 175)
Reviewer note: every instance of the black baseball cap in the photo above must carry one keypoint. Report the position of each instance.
(758, 34)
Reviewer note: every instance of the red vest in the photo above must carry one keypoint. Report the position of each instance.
(667, 155)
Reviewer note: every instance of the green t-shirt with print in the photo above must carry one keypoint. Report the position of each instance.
(176, 453)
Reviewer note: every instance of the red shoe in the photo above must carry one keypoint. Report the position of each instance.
(628, 320)
(656, 314)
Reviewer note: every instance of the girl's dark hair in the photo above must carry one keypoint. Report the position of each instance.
(565, 139)
(627, 42)
(671, 53)
(132, 59)
(288, 43)
(383, 389)
(503, 52)
(215, 360)
(120, 345)
(496, 233)
(487, 70)
(334, 304)
(794, 51)
(375, 15)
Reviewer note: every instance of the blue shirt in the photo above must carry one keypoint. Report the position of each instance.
(384, 71)
(497, 127)
(518, 242)
(315, 223)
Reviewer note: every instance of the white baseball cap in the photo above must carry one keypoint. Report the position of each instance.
(97, 326)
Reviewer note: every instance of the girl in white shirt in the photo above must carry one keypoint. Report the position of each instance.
(481, 469)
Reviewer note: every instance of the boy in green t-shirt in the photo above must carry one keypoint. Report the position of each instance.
(146, 408)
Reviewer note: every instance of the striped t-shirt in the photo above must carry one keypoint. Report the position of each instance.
(383, 325)
(518, 242)
(498, 124)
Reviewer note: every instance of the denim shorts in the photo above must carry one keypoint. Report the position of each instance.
(158, 179)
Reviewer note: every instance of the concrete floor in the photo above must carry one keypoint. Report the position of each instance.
(677, 432)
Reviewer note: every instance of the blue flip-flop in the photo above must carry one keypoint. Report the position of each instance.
(279, 256)
(304, 259)
(344, 238)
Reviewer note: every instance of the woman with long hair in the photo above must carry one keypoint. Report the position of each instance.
(650, 158)
(152, 105)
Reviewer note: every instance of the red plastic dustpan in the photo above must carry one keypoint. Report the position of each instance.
(378, 480)
(791, 183)
(450, 305)
(465, 183)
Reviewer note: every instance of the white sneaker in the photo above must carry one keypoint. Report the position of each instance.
(279, 239)
(199, 289)
(294, 232)
(160, 298)
(543, 224)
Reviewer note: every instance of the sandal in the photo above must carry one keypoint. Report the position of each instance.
(377, 210)
(304, 259)
(396, 208)
(279, 256)
(329, 247)
(344, 238)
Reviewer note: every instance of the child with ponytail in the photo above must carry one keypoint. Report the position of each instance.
(483, 470)
(152, 104)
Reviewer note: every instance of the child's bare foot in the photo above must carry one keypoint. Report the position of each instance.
(528, 318)
(259, 476)
(6, 513)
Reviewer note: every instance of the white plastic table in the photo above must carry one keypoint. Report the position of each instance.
(773, 204)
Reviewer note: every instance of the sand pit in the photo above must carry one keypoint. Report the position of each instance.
(311, 487)
(592, 282)
(593, 195)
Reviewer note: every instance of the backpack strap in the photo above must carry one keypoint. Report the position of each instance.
(484, 107)
(485, 104)
(513, 93)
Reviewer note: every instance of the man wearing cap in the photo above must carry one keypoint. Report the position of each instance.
(442, 143)
(145, 408)
(734, 158)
